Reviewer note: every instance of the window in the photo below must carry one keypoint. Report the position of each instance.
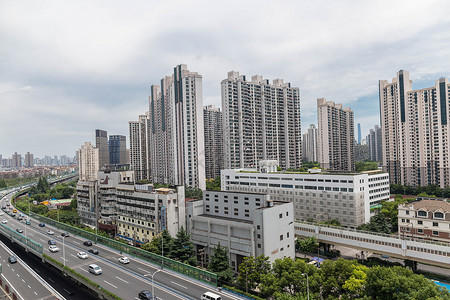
(438, 215)
(422, 213)
(281, 215)
(419, 222)
(435, 232)
(281, 237)
(435, 224)
(407, 212)
(419, 230)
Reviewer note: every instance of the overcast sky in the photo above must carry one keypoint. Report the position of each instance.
(69, 67)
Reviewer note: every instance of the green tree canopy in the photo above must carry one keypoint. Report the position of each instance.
(251, 271)
(220, 264)
(183, 248)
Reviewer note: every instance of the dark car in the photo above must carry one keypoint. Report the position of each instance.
(41, 224)
(93, 251)
(19, 230)
(87, 243)
(12, 260)
(65, 234)
(51, 242)
(145, 295)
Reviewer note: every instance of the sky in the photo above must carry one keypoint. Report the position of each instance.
(70, 67)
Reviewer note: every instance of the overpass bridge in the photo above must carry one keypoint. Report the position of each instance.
(416, 250)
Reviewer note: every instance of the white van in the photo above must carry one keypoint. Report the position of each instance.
(210, 296)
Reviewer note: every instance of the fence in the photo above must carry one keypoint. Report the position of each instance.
(165, 262)
(26, 242)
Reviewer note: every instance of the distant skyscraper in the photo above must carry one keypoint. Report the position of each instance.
(374, 143)
(415, 131)
(336, 136)
(101, 143)
(1, 160)
(117, 149)
(176, 130)
(261, 121)
(29, 160)
(16, 160)
(139, 147)
(359, 133)
(213, 141)
(89, 162)
(310, 144)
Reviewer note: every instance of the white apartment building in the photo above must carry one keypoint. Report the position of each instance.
(322, 196)
(310, 144)
(212, 118)
(177, 154)
(88, 163)
(336, 137)
(261, 121)
(425, 220)
(242, 222)
(140, 147)
(415, 131)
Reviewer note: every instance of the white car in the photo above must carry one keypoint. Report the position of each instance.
(94, 269)
(124, 260)
(4, 221)
(82, 255)
(1, 214)
(53, 249)
(49, 232)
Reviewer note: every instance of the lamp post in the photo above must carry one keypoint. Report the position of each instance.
(153, 285)
(307, 282)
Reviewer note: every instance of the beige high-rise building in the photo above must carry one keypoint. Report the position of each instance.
(212, 118)
(88, 162)
(309, 146)
(16, 161)
(336, 137)
(140, 147)
(415, 131)
(29, 160)
(177, 153)
(261, 121)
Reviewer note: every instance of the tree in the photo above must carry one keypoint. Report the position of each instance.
(42, 185)
(192, 192)
(378, 223)
(308, 245)
(251, 271)
(355, 285)
(366, 166)
(183, 248)
(2, 184)
(213, 184)
(220, 264)
(162, 242)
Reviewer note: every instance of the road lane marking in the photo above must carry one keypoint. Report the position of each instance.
(18, 275)
(50, 279)
(122, 279)
(110, 284)
(146, 271)
(179, 285)
(12, 269)
(42, 240)
(30, 234)
(29, 286)
(23, 280)
(35, 293)
(83, 269)
(72, 255)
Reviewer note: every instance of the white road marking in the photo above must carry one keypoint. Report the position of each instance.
(23, 280)
(110, 284)
(72, 255)
(35, 293)
(179, 285)
(12, 269)
(30, 234)
(146, 271)
(122, 279)
(51, 280)
(83, 269)
(42, 240)
(29, 286)
(18, 275)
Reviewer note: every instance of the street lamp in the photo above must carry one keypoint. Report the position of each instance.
(153, 285)
(307, 282)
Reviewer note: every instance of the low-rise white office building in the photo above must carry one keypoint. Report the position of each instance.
(248, 224)
(344, 196)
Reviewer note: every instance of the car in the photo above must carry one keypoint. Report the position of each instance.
(93, 251)
(145, 295)
(12, 259)
(19, 230)
(14, 210)
(41, 224)
(1, 214)
(4, 221)
(19, 218)
(124, 260)
(87, 243)
(3, 207)
(95, 269)
(28, 222)
(65, 234)
(82, 255)
(51, 242)
(49, 232)
(53, 248)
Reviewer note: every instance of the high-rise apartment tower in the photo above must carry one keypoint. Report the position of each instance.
(101, 143)
(139, 147)
(261, 121)
(117, 149)
(374, 143)
(336, 136)
(310, 144)
(212, 118)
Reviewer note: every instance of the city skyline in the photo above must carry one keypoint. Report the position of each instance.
(95, 72)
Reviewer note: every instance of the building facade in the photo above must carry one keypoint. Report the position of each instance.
(88, 163)
(29, 160)
(139, 147)
(87, 202)
(177, 154)
(117, 149)
(242, 222)
(261, 121)
(425, 220)
(101, 143)
(415, 131)
(310, 144)
(212, 118)
(374, 143)
(16, 161)
(321, 196)
(336, 150)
